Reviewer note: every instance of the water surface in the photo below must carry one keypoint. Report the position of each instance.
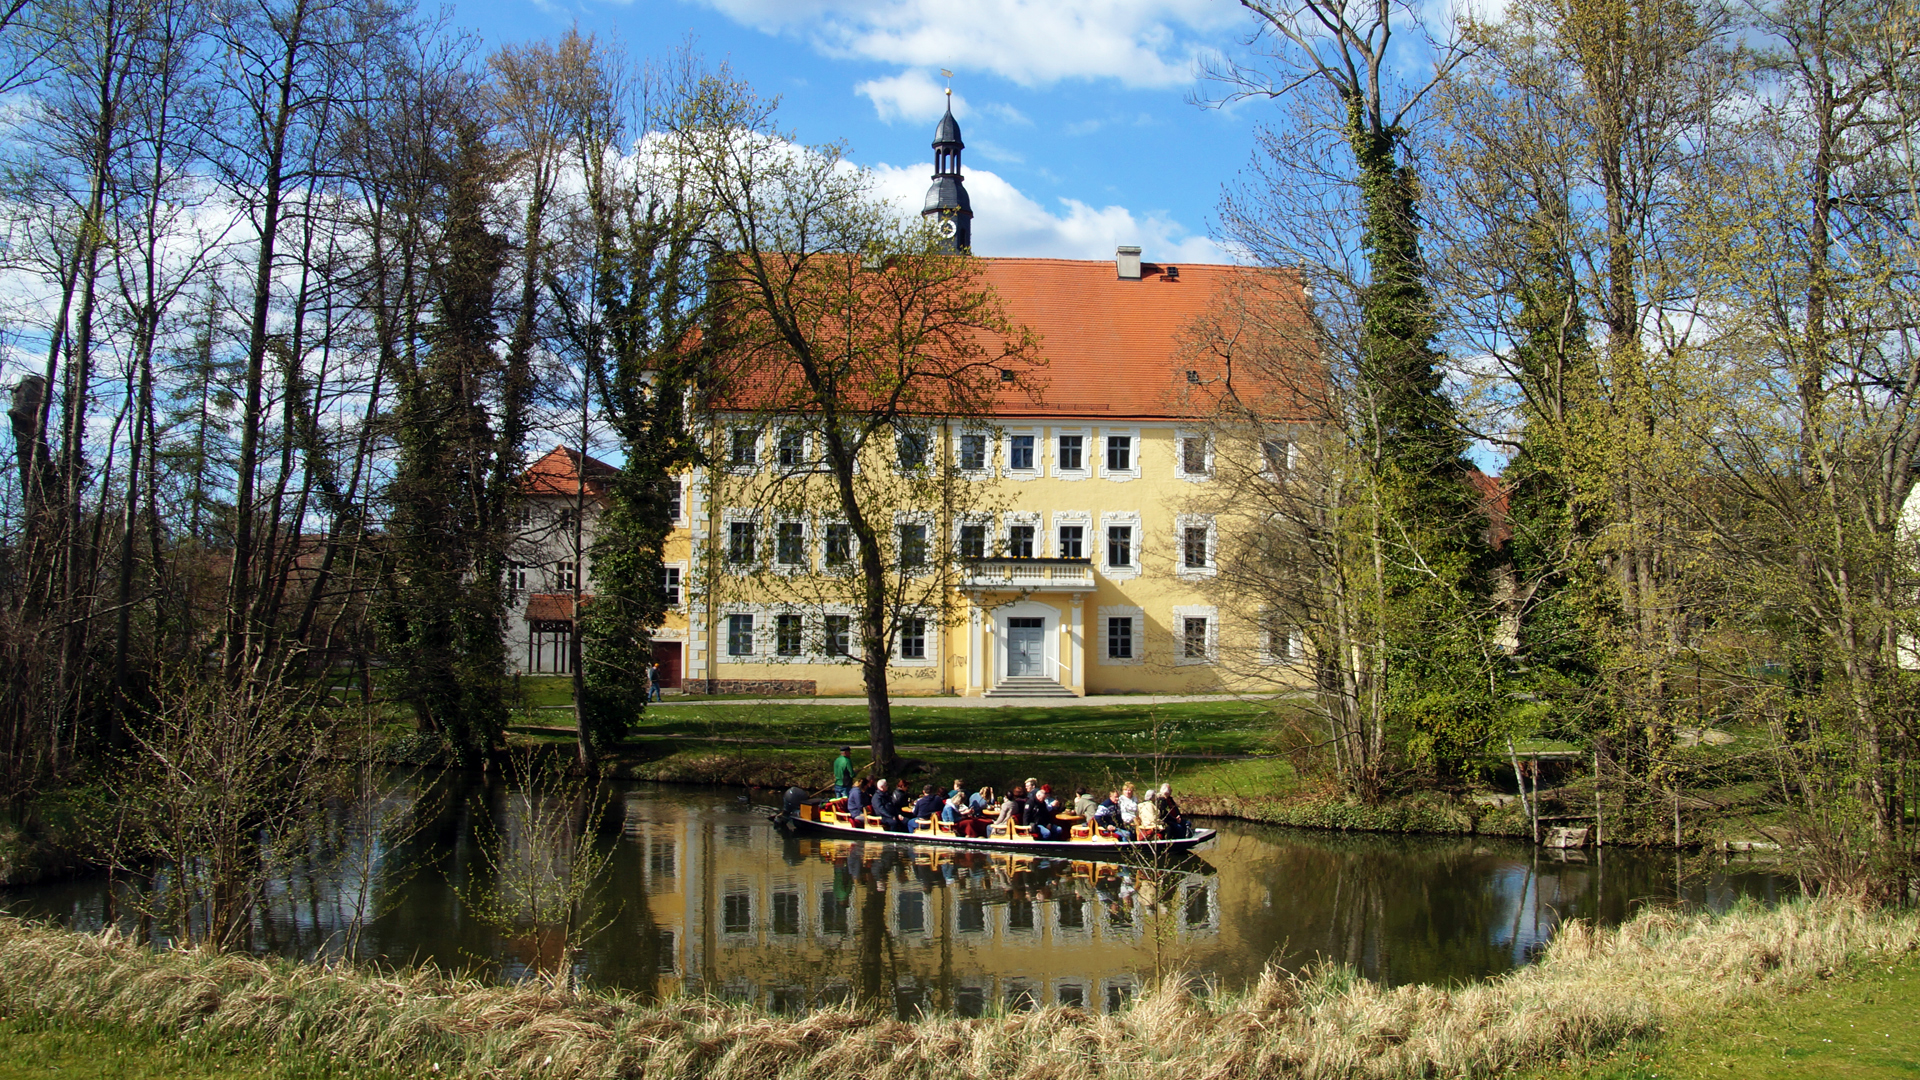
(702, 893)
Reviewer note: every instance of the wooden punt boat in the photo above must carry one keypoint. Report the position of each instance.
(811, 818)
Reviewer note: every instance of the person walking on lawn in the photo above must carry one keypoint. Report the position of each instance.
(843, 772)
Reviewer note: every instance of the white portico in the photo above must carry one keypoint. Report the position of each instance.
(1027, 627)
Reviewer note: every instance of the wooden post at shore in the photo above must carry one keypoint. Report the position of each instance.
(1598, 833)
(1520, 785)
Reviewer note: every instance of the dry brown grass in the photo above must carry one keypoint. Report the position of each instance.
(1593, 988)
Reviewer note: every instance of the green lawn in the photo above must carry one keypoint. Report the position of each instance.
(1224, 727)
(777, 744)
(34, 1049)
(699, 761)
(1859, 1025)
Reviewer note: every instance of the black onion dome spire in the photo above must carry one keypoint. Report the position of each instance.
(947, 198)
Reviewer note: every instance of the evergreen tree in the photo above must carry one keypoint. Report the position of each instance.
(1436, 615)
(443, 609)
(1554, 364)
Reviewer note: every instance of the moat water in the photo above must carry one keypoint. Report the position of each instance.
(701, 893)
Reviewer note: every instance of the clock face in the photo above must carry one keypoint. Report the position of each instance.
(948, 228)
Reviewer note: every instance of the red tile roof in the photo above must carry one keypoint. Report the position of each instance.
(558, 473)
(1495, 501)
(1123, 349)
(550, 607)
(1119, 348)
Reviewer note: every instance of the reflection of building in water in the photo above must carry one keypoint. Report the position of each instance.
(745, 912)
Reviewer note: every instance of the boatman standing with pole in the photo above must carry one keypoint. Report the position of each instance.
(843, 773)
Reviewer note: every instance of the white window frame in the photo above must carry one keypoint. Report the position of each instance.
(931, 628)
(1183, 612)
(853, 547)
(753, 655)
(1022, 517)
(1183, 522)
(805, 565)
(759, 449)
(727, 519)
(1082, 518)
(1121, 611)
(988, 441)
(985, 521)
(825, 654)
(1180, 437)
(679, 519)
(1270, 629)
(929, 449)
(931, 530)
(1131, 569)
(1120, 475)
(772, 636)
(806, 463)
(1088, 446)
(680, 583)
(1266, 464)
(1039, 468)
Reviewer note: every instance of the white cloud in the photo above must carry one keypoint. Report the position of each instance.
(910, 95)
(1031, 42)
(1008, 222)
(1007, 114)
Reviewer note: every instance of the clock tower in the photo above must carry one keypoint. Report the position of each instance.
(947, 200)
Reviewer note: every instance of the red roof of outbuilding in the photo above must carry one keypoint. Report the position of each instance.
(559, 473)
(550, 607)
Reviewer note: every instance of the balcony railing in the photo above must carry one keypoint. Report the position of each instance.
(1027, 575)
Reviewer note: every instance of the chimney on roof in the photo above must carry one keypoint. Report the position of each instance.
(1127, 260)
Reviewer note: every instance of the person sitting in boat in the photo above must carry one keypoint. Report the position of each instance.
(1171, 819)
(964, 819)
(923, 810)
(859, 798)
(886, 805)
(1129, 809)
(1013, 810)
(1106, 817)
(959, 788)
(1084, 803)
(984, 801)
(1147, 824)
(1040, 815)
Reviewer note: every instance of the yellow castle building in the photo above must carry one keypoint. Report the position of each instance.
(1078, 563)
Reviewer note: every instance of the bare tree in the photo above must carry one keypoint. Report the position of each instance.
(834, 319)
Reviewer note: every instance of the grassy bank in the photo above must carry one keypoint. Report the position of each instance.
(36, 1048)
(1224, 748)
(1856, 1024)
(1593, 990)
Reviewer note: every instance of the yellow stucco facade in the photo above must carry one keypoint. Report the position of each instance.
(1094, 571)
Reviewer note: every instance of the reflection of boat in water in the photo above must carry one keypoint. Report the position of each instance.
(1002, 866)
(809, 818)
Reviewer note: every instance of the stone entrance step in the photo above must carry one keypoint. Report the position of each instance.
(1031, 686)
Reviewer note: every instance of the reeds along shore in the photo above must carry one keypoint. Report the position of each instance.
(1591, 989)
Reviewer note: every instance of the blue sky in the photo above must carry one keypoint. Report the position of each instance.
(1075, 114)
